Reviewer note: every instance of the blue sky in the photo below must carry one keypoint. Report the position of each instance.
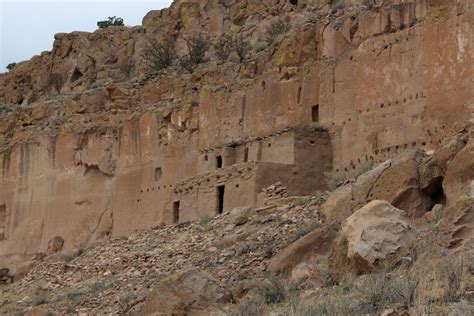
(27, 27)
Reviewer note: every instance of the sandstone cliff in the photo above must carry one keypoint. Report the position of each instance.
(94, 145)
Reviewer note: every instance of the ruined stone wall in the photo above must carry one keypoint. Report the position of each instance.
(198, 196)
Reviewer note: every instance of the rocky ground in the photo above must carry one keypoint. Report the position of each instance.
(116, 275)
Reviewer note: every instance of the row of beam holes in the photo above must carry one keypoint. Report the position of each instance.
(379, 153)
(147, 190)
(417, 96)
(439, 141)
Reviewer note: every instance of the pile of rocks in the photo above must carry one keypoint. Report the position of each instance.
(116, 276)
(276, 190)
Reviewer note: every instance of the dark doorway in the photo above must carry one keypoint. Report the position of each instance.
(315, 113)
(220, 199)
(219, 162)
(176, 212)
(246, 155)
(294, 2)
(3, 220)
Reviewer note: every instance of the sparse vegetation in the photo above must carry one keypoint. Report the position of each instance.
(125, 299)
(126, 68)
(205, 222)
(111, 21)
(40, 297)
(338, 5)
(275, 30)
(205, 219)
(197, 47)
(4, 109)
(97, 287)
(268, 252)
(242, 48)
(79, 252)
(259, 46)
(273, 290)
(224, 46)
(250, 308)
(159, 55)
(228, 44)
(57, 81)
(302, 231)
(10, 66)
(379, 291)
(364, 167)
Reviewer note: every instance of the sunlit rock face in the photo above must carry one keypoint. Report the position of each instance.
(93, 145)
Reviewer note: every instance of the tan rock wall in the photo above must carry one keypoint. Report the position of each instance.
(105, 159)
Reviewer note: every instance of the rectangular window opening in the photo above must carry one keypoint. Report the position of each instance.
(3, 220)
(176, 207)
(246, 155)
(158, 174)
(220, 199)
(219, 162)
(315, 113)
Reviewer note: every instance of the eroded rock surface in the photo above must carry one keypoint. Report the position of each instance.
(373, 235)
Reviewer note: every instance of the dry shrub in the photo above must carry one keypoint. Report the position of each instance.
(126, 68)
(252, 307)
(197, 47)
(304, 230)
(242, 48)
(330, 305)
(159, 55)
(273, 290)
(57, 81)
(224, 47)
(442, 280)
(275, 30)
(379, 291)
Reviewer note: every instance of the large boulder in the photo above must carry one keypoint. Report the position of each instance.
(317, 242)
(433, 169)
(399, 185)
(185, 293)
(396, 181)
(376, 233)
(342, 202)
(459, 175)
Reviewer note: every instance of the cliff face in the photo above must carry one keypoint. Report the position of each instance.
(92, 145)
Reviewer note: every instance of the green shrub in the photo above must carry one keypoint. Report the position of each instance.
(10, 66)
(111, 21)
